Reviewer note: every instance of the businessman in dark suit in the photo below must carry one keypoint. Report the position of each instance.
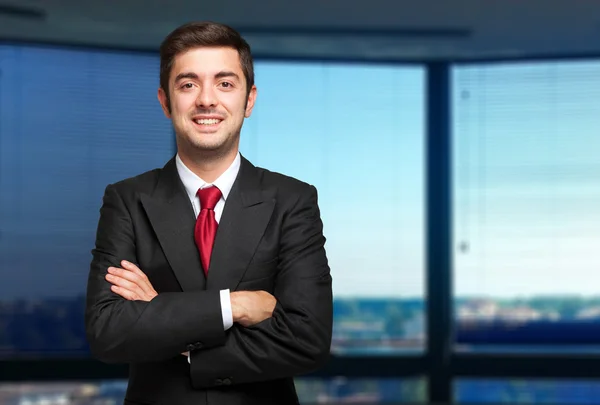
(209, 276)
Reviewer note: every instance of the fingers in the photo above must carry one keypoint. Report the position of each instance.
(124, 288)
(133, 268)
(121, 279)
(116, 273)
(125, 283)
(127, 289)
(130, 282)
(123, 292)
(132, 274)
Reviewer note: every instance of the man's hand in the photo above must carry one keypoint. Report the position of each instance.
(130, 282)
(251, 307)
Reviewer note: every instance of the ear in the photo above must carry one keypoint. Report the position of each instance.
(164, 102)
(250, 102)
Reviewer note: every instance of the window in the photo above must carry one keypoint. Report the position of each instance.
(526, 205)
(517, 391)
(356, 133)
(71, 122)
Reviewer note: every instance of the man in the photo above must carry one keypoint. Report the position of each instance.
(209, 276)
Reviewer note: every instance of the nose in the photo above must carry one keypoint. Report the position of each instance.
(207, 97)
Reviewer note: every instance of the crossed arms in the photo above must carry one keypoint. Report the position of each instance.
(276, 336)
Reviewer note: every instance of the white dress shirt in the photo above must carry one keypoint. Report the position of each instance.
(192, 183)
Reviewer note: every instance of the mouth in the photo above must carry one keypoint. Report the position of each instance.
(207, 124)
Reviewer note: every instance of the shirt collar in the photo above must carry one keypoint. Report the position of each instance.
(192, 182)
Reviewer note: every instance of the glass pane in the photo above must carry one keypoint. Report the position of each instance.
(361, 145)
(71, 121)
(310, 391)
(526, 213)
(517, 391)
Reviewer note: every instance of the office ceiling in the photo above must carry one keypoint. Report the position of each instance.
(333, 29)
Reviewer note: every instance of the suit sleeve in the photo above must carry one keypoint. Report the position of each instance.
(122, 331)
(297, 338)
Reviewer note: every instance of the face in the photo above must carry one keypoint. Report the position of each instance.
(209, 100)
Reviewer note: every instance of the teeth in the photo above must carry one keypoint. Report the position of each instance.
(207, 122)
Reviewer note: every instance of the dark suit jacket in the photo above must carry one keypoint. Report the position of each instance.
(269, 238)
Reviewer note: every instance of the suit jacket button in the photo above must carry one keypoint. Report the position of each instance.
(218, 381)
(226, 381)
(198, 345)
(190, 347)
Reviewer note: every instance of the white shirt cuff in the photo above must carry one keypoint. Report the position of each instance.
(226, 309)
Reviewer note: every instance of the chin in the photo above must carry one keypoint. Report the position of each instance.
(208, 146)
(206, 142)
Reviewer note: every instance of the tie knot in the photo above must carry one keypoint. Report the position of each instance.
(209, 197)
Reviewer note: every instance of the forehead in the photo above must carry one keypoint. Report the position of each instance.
(207, 61)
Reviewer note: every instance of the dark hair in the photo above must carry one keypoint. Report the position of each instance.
(203, 34)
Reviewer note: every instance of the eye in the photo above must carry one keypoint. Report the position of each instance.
(187, 86)
(226, 85)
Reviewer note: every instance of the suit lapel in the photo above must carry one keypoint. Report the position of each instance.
(172, 217)
(247, 212)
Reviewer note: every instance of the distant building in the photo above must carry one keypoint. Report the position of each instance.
(488, 310)
(588, 313)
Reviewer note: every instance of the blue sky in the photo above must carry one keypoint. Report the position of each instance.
(526, 148)
(352, 131)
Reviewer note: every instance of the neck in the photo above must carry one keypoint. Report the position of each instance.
(206, 164)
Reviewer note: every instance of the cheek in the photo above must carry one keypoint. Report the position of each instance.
(182, 105)
(234, 104)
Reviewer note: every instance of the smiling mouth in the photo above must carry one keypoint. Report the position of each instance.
(207, 121)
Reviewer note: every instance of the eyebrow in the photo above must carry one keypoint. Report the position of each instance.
(186, 75)
(190, 75)
(226, 73)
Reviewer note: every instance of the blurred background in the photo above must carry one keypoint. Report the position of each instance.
(455, 146)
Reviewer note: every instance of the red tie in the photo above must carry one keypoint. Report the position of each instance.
(206, 224)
